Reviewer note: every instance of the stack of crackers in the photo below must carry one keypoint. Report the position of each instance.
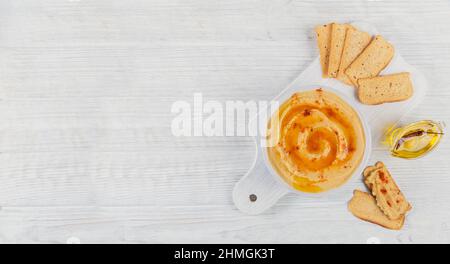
(357, 58)
(385, 205)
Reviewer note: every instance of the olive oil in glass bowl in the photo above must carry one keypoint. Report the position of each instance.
(415, 140)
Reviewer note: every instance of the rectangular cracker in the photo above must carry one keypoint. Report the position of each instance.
(364, 206)
(388, 196)
(338, 32)
(323, 33)
(355, 42)
(383, 89)
(374, 58)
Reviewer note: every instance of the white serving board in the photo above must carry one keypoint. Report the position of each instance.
(260, 179)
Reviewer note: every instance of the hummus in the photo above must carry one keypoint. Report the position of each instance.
(315, 141)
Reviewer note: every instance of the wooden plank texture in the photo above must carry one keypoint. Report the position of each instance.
(86, 149)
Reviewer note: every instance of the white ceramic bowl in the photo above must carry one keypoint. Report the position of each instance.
(368, 140)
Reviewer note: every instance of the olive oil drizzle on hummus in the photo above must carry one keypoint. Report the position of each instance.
(319, 141)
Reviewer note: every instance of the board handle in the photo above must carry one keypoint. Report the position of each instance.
(257, 191)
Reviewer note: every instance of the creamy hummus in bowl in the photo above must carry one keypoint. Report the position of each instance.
(316, 141)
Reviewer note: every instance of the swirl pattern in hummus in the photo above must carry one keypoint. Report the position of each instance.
(316, 141)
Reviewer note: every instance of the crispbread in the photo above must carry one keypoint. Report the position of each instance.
(369, 169)
(388, 196)
(364, 206)
(387, 88)
(323, 33)
(374, 58)
(336, 45)
(355, 42)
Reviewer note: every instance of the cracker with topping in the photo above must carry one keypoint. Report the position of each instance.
(386, 192)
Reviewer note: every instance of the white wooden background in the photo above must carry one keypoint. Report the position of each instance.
(86, 88)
